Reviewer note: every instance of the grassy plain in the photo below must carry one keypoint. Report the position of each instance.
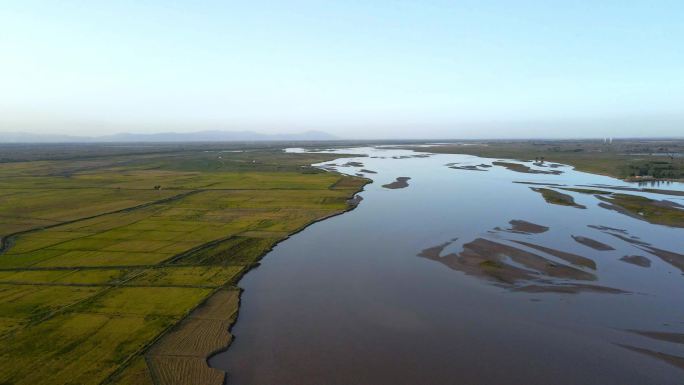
(105, 254)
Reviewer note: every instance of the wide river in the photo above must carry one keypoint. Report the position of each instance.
(466, 277)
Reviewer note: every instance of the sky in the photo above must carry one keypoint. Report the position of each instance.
(355, 69)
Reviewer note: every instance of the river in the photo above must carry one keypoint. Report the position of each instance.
(397, 291)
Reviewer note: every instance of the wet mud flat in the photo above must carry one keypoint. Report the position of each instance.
(400, 182)
(517, 167)
(466, 277)
(531, 268)
(673, 258)
(469, 167)
(507, 265)
(594, 244)
(539, 183)
(586, 191)
(538, 269)
(524, 227)
(638, 260)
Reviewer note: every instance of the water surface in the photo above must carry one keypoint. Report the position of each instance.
(380, 295)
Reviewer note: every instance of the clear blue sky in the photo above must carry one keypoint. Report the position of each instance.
(352, 68)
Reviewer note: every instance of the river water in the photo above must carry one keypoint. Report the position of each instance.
(396, 291)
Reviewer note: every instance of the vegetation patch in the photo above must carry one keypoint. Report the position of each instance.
(557, 198)
(653, 211)
(75, 348)
(236, 250)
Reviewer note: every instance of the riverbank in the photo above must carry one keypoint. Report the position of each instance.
(234, 310)
(180, 355)
(115, 269)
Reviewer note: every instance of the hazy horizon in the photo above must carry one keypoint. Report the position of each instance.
(356, 70)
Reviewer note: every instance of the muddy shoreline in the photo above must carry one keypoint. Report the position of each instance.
(353, 203)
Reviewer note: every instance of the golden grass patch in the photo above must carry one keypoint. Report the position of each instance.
(179, 358)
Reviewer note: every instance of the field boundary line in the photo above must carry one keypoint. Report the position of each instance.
(7, 241)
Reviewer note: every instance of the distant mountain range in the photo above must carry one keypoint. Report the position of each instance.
(199, 136)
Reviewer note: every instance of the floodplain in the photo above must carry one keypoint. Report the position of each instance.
(107, 261)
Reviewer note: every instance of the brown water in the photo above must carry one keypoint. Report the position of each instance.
(400, 290)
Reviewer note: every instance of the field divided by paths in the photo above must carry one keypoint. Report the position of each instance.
(122, 269)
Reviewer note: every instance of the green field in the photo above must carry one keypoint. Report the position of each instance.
(104, 257)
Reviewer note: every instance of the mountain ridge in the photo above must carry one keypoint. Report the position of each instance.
(197, 136)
